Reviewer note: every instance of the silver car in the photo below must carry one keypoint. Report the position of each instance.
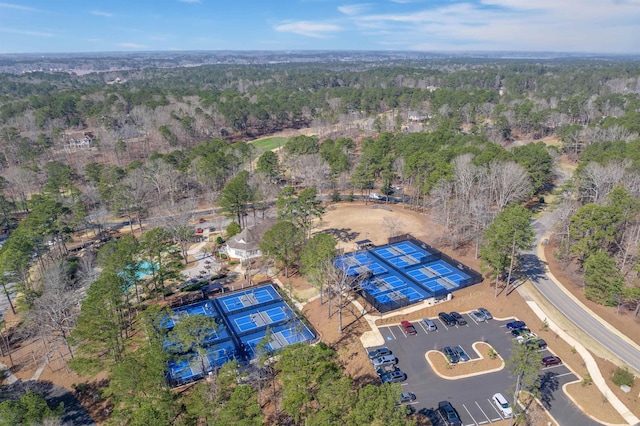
(384, 360)
(477, 316)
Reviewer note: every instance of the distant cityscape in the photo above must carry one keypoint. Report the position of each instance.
(84, 63)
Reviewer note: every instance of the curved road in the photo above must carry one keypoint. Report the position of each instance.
(536, 272)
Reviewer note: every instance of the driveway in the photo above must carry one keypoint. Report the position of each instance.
(472, 396)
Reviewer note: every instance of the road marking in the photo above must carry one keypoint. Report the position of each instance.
(496, 410)
(443, 324)
(390, 331)
(562, 375)
(402, 330)
(485, 414)
(471, 318)
(425, 330)
(474, 420)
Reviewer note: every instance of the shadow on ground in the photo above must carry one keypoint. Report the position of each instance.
(74, 413)
(342, 234)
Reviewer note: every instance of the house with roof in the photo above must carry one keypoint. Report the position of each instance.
(246, 244)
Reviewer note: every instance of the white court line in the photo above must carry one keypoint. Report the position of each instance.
(485, 414)
(394, 336)
(496, 410)
(474, 420)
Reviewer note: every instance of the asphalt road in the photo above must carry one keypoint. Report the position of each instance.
(472, 396)
(534, 269)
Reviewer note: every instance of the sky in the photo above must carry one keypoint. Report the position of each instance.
(50, 26)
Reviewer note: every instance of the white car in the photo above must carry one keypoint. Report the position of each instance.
(523, 338)
(477, 316)
(503, 405)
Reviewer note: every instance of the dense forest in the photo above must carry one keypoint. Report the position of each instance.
(478, 143)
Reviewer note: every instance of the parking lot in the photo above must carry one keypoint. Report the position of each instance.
(471, 396)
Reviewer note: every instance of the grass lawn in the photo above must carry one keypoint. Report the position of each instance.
(269, 143)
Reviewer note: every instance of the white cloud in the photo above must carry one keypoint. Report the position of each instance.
(132, 45)
(101, 13)
(27, 32)
(568, 25)
(309, 29)
(354, 9)
(19, 7)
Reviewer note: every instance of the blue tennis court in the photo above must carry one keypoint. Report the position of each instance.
(248, 298)
(406, 271)
(260, 318)
(243, 320)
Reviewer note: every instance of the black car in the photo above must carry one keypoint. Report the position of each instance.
(515, 324)
(519, 331)
(458, 318)
(446, 319)
(449, 414)
(451, 355)
(537, 343)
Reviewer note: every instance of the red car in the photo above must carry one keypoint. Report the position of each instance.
(548, 361)
(199, 230)
(408, 328)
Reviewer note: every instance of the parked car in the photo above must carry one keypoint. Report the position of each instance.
(537, 343)
(451, 355)
(486, 313)
(449, 414)
(477, 316)
(458, 318)
(515, 324)
(519, 331)
(202, 220)
(199, 230)
(503, 405)
(407, 397)
(393, 377)
(548, 361)
(429, 324)
(384, 360)
(461, 354)
(446, 319)
(526, 337)
(375, 353)
(408, 328)
(387, 369)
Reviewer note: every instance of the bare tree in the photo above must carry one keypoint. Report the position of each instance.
(597, 181)
(339, 286)
(56, 311)
(508, 183)
(177, 223)
(393, 224)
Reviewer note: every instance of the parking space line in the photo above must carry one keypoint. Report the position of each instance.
(471, 318)
(562, 375)
(485, 414)
(402, 331)
(443, 324)
(496, 410)
(422, 326)
(390, 331)
(474, 420)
